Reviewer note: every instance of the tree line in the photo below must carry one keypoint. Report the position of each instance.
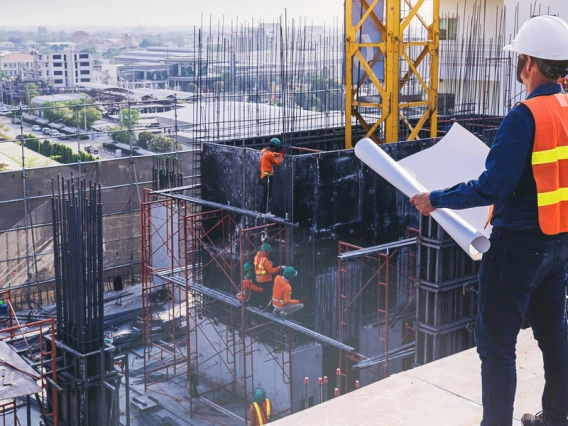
(72, 113)
(56, 151)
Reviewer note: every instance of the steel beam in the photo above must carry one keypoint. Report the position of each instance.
(374, 249)
(233, 301)
(225, 207)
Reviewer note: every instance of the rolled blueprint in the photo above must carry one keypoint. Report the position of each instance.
(473, 242)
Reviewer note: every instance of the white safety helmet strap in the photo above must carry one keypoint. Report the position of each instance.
(544, 37)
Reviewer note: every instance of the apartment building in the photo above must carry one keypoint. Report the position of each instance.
(64, 70)
(16, 64)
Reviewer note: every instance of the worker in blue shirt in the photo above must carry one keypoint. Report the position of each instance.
(524, 273)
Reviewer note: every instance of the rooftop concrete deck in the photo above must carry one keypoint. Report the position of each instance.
(443, 393)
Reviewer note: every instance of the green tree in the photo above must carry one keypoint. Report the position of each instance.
(129, 118)
(160, 144)
(120, 135)
(89, 115)
(145, 139)
(31, 92)
(62, 113)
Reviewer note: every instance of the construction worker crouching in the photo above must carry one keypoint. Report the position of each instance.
(265, 271)
(249, 290)
(269, 157)
(260, 409)
(282, 293)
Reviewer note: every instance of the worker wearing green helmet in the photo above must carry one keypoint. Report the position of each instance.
(250, 292)
(261, 409)
(265, 272)
(271, 156)
(282, 293)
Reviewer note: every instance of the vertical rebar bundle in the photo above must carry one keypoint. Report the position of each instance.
(78, 258)
(90, 383)
(166, 172)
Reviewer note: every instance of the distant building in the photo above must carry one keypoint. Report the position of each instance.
(6, 45)
(31, 44)
(161, 67)
(127, 42)
(38, 101)
(80, 37)
(16, 64)
(64, 70)
(61, 45)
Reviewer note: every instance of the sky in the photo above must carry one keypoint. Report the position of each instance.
(133, 13)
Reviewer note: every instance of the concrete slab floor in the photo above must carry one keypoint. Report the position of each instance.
(444, 393)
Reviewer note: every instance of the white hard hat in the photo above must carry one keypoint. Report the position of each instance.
(544, 37)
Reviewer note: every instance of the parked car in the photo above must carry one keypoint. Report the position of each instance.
(36, 128)
(20, 137)
(46, 131)
(16, 120)
(62, 136)
(55, 133)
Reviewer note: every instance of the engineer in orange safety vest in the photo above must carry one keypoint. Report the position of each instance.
(282, 294)
(265, 272)
(249, 290)
(271, 156)
(524, 273)
(261, 409)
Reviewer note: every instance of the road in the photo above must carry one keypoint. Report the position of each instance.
(14, 129)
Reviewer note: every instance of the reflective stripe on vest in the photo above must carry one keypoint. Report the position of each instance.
(259, 265)
(260, 415)
(550, 161)
(277, 300)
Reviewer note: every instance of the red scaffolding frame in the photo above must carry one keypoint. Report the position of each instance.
(378, 263)
(192, 240)
(44, 348)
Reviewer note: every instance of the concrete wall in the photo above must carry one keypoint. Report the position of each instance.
(307, 362)
(121, 228)
(271, 370)
(371, 345)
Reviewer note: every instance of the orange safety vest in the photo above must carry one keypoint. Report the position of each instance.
(550, 160)
(262, 420)
(262, 275)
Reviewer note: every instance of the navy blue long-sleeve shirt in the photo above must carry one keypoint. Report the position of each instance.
(508, 181)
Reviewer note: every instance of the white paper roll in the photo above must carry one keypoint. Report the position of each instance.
(473, 242)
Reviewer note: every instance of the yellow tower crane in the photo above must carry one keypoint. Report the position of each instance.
(382, 37)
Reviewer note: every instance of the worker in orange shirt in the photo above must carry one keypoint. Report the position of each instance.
(260, 409)
(269, 157)
(282, 294)
(265, 271)
(249, 290)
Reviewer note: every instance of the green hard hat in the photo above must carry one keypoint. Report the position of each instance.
(289, 272)
(266, 247)
(259, 395)
(276, 142)
(246, 268)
